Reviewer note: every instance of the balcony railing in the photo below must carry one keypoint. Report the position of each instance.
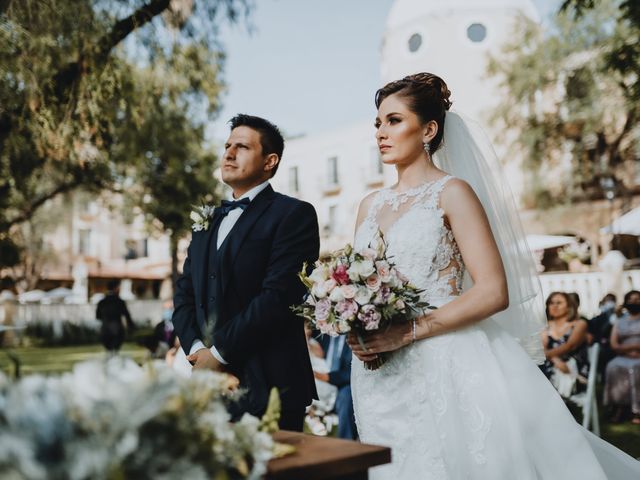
(591, 286)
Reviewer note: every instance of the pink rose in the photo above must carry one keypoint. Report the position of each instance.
(327, 329)
(340, 274)
(383, 295)
(369, 253)
(347, 309)
(370, 317)
(323, 309)
(384, 270)
(372, 325)
(373, 282)
(349, 291)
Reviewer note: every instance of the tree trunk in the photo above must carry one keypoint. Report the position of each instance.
(173, 242)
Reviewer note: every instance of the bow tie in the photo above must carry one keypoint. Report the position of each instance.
(227, 205)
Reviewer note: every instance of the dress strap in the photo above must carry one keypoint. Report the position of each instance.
(431, 195)
(376, 204)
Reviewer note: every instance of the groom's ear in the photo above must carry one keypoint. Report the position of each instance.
(271, 163)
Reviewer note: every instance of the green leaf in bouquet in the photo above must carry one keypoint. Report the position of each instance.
(271, 417)
(304, 278)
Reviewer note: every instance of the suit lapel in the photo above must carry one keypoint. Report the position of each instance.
(238, 233)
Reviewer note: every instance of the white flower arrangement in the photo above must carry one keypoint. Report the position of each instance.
(201, 216)
(115, 419)
(575, 250)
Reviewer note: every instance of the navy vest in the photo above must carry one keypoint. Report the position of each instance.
(213, 281)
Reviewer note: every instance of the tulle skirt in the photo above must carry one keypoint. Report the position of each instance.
(472, 405)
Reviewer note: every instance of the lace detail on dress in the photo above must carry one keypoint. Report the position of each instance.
(398, 216)
(426, 381)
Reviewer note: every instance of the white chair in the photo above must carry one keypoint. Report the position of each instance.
(587, 400)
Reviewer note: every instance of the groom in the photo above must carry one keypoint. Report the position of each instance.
(240, 278)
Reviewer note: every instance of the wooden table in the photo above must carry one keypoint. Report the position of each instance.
(320, 458)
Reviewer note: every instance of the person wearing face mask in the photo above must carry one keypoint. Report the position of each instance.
(622, 388)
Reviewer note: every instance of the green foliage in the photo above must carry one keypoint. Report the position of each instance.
(568, 104)
(104, 95)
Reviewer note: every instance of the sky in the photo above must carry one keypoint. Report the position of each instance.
(308, 65)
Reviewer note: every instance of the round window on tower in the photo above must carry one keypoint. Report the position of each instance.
(415, 41)
(476, 32)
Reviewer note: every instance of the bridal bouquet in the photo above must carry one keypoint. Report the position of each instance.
(358, 291)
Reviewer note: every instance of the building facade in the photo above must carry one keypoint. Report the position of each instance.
(335, 170)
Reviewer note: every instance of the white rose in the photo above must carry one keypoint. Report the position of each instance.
(336, 295)
(363, 296)
(349, 291)
(394, 281)
(319, 274)
(194, 216)
(361, 269)
(318, 290)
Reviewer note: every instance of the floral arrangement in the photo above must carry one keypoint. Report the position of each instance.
(115, 419)
(358, 291)
(575, 250)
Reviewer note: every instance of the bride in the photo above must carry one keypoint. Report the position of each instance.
(460, 397)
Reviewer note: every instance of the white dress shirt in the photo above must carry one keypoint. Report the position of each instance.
(226, 225)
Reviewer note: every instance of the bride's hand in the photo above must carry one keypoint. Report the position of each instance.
(395, 337)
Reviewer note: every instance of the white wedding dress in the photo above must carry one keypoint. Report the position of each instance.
(469, 404)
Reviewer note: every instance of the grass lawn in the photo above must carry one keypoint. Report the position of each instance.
(625, 436)
(50, 360)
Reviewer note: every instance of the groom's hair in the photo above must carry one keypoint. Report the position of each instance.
(271, 139)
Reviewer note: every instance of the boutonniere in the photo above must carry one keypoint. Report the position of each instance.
(201, 216)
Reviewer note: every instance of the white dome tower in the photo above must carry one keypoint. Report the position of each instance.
(451, 39)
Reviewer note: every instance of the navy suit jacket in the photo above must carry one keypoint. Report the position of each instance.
(252, 325)
(340, 374)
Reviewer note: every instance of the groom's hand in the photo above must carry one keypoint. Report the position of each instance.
(203, 359)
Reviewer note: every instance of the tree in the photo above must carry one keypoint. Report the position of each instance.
(575, 116)
(68, 89)
(166, 156)
(623, 55)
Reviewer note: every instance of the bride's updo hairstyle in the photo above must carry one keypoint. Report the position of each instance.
(427, 96)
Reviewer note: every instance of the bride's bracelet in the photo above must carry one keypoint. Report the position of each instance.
(413, 331)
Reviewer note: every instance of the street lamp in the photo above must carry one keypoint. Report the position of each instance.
(608, 185)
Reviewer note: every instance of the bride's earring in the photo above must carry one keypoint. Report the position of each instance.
(426, 146)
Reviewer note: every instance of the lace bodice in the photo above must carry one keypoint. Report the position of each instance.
(419, 241)
(467, 404)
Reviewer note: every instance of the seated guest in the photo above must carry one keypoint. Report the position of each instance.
(326, 392)
(622, 387)
(164, 333)
(600, 329)
(564, 340)
(339, 361)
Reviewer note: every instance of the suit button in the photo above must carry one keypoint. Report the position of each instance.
(201, 305)
(213, 299)
(212, 276)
